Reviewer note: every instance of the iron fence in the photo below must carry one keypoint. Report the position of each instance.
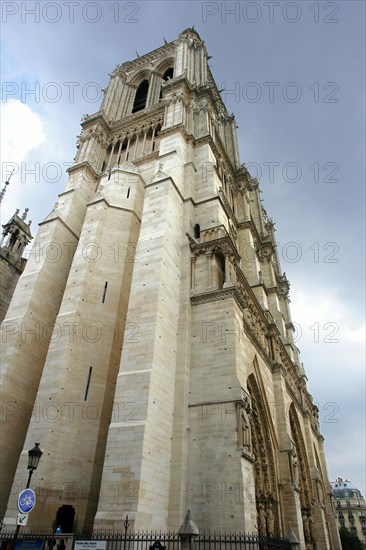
(155, 540)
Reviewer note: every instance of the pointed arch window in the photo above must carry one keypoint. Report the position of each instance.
(156, 140)
(166, 76)
(141, 96)
(168, 73)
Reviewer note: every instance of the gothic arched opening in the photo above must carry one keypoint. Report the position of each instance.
(156, 141)
(221, 269)
(168, 73)
(166, 76)
(264, 464)
(13, 239)
(141, 96)
(122, 153)
(301, 477)
(65, 519)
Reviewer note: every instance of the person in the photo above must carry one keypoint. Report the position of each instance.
(61, 545)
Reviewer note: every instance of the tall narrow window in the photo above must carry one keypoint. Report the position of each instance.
(166, 76)
(88, 384)
(156, 138)
(122, 152)
(141, 96)
(104, 292)
(168, 73)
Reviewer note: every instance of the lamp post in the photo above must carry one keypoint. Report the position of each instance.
(126, 524)
(34, 456)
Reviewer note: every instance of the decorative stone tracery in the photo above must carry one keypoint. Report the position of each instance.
(264, 464)
(301, 477)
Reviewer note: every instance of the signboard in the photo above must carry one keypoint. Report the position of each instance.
(90, 545)
(35, 544)
(26, 501)
(22, 519)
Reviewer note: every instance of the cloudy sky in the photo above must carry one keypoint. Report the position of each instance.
(293, 74)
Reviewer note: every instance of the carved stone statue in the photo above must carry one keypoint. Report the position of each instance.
(305, 523)
(246, 436)
(262, 522)
(270, 519)
(296, 470)
(311, 527)
(294, 467)
(258, 476)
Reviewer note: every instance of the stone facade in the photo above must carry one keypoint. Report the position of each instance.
(350, 507)
(158, 370)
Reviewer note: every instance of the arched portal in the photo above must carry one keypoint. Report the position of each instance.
(65, 519)
(264, 464)
(301, 476)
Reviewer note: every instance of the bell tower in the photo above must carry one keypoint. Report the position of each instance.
(149, 343)
(16, 236)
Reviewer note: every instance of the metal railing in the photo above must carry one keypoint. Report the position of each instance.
(152, 540)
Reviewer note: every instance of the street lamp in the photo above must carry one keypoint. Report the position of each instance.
(34, 456)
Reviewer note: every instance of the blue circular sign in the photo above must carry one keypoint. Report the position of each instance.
(26, 501)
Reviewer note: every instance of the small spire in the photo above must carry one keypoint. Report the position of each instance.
(5, 186)
(3, 191)
(25, 213)
(165, 41)
(188, 526)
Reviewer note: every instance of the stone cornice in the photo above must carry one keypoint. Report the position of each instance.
(146, 158)
(149, 58)
(234, 293)
(225, 244)
(179, 82)
(99, 116)
(155, 113)
(167, 178)
(215, 92)
(18, 266)
(57, 217)
(227, 206)
(177, 128)
(101, 198)
(215, 295)
(219, 152)
(258, 327)
(83, 165)
(249, 224)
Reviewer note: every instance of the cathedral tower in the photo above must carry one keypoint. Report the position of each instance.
(156, 364)
(16, 236)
